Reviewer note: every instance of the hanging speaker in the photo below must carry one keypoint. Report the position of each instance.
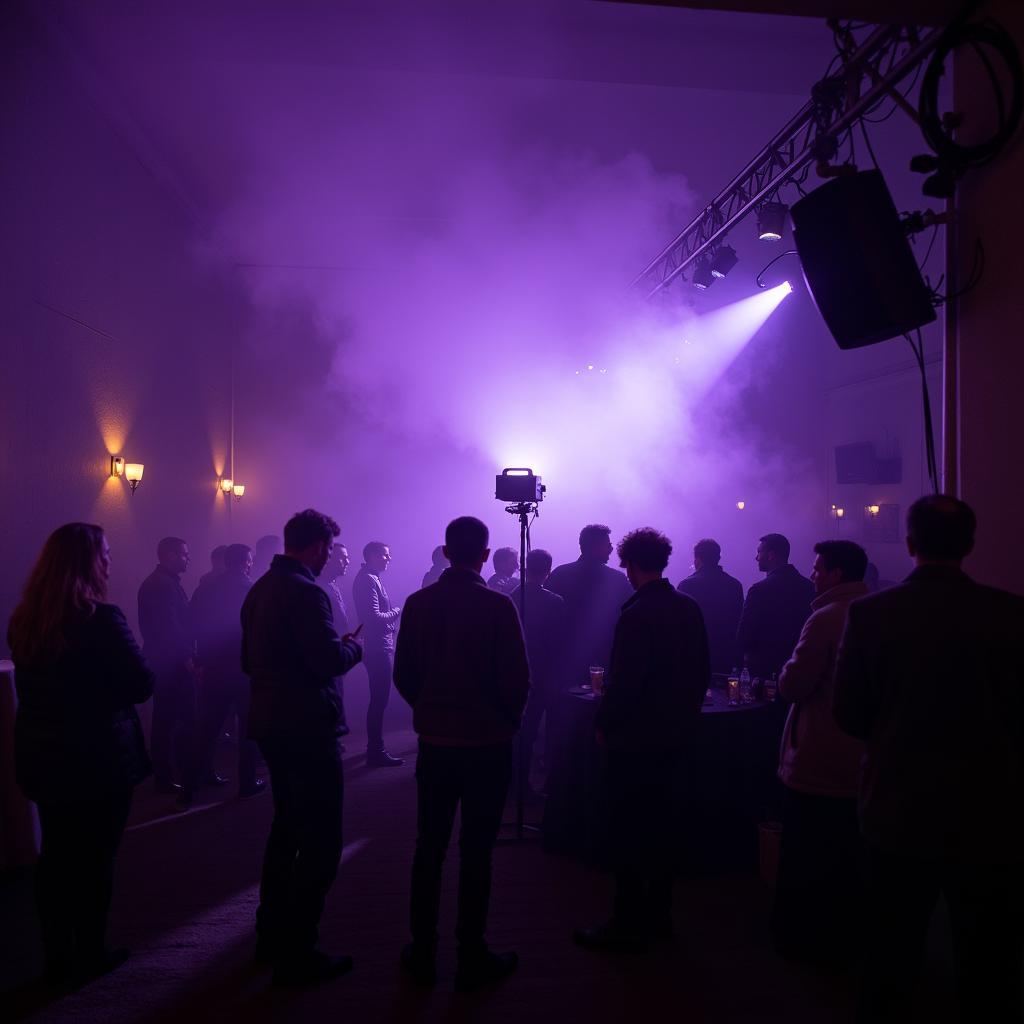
(857, 262)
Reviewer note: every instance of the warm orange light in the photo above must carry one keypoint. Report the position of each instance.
(741, 505)
(133, 474)
(227, 484)
(840, 512)
(873, 510)
(117, 465)
(238, 490)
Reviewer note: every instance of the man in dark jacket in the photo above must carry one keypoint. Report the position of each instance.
(216, 608)
(461, 665)
(720, 597)
(929, 676)
(292, 654)
(656, 683)
(544, 628)
(168, 647)
(593, 593)
(775, 610)
(379, 620)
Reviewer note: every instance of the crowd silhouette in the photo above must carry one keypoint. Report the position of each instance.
(900, 717)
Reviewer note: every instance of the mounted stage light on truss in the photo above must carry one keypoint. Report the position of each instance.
(724, 260)
(771, 221)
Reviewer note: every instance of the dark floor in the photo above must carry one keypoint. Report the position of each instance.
(186, 894)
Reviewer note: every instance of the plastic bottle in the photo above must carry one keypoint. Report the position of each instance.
(733, 686)
(745, 695)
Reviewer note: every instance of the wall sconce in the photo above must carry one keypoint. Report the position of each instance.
(741, 505)
(117, 465)
(872, 510)
(838, 511)
(227, 484)
(238, 490)
(133, 474)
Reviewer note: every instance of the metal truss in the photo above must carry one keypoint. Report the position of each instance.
(868, 74)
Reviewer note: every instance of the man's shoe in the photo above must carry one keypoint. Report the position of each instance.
(214, 779)
(610, 938)
(420, 964)
(484, 969)
(258, 786)
(312, 969)
(382, 759)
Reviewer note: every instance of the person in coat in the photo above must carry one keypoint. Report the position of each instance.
(79, 749)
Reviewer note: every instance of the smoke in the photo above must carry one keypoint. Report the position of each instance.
(448, 275)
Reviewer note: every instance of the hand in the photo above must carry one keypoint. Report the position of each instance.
(354, 635)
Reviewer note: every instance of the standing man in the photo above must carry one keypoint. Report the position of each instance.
(656, 683)
(336, 567)
(720, 597)
(594, 594)
(168, 648)
(379, 619)
(506, 565)
(216, 608)
(438, 564)
(461, 665)
(775, 610)
(216, 567)
(929, 677)
(818, 892)
(292, 655)
(544, 628)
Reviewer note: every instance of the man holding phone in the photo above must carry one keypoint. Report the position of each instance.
(292, 654)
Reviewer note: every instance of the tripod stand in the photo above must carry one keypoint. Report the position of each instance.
(522, 509)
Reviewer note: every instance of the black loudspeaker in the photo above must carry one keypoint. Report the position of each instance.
(857, 262)
(855, 463)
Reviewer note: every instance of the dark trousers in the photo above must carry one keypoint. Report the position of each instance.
(819, 890)
(75, 874)
(986, 910)
(173, 739)
(536, 708)
(379, 668)
(225, 692)
(304, 846)
(645, 807)
(476, 778)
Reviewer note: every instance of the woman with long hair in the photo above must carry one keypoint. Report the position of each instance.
(78, 744)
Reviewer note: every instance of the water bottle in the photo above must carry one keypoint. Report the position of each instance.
(771, 687)
(745, 695)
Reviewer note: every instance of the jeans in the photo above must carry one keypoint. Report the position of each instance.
(379, 668)
(819, 891)
(75, 874)
(645, 805)
(173, 737)
(986, 910)
(225, 692)
(304, 846)
(478, 779)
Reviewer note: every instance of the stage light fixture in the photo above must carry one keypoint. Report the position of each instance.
(703, 278)
(771, 221)
(133, 474)
(724, 260)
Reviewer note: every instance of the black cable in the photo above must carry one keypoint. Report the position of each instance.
(952, 159)
(867, 142)
(929, 431)
(771, 263)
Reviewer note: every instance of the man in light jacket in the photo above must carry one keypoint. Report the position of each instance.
(818, 886)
